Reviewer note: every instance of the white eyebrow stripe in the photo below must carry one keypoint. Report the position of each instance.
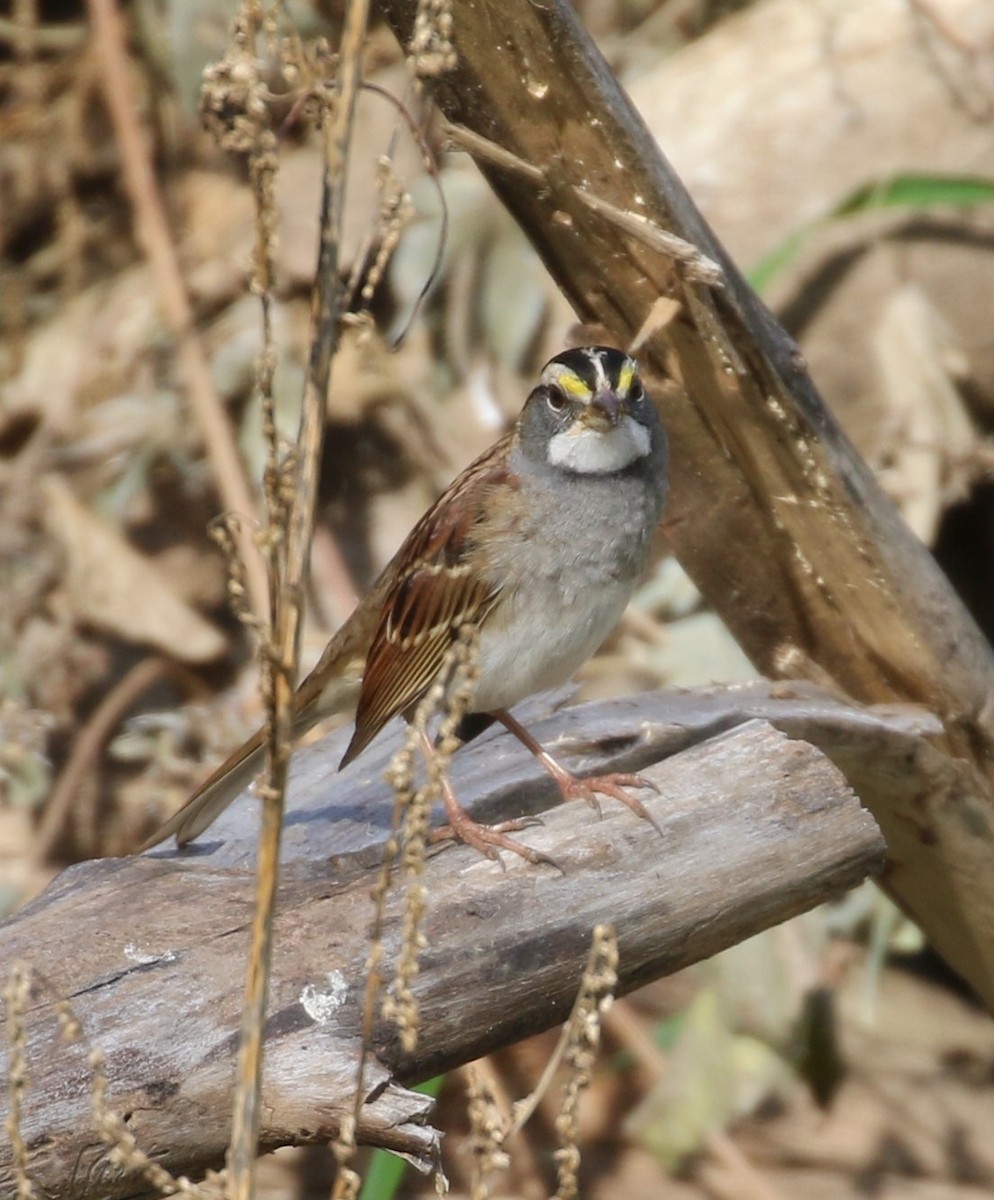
(602, 384)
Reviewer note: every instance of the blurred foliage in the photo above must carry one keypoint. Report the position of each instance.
(91, 397)
(913, 193)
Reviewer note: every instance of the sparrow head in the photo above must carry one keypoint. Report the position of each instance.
(590, 413)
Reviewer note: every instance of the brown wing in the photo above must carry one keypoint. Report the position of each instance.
(405, 622)
(437, 587)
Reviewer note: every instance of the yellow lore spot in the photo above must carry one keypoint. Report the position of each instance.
(574, 385)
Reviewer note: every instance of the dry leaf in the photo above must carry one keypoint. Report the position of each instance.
(118, 590)
(931, 428)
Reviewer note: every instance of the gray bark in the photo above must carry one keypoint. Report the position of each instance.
(150, 951)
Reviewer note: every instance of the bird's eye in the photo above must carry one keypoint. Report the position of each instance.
(556, 400)
(636, 392)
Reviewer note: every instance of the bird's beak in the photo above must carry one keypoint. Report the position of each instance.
(604, 411)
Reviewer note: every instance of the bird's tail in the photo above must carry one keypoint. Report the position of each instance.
(332, 687)
(213, 796)
(240, 768)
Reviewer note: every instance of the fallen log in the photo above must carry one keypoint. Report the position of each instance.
(150, 951)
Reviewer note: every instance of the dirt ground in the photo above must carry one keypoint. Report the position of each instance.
(827, 1059)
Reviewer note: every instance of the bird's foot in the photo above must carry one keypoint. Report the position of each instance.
(614, 784)
(572, 788)
(489, 840)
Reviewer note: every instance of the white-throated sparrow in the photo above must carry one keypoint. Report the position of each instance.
(537, 546)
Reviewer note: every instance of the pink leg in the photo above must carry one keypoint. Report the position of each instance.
(571, 787)
(487, 839)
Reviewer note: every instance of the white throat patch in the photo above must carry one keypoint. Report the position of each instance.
(591, 452)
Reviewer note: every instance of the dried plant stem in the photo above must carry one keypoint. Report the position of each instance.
(15, 996)
(454, 690)
(490, 1073)
(153, 232)
(401, 775)
(577, 1048)
(597, 988)
(593, 1000)
(409, 824)
(326, 304)
(488, 1130)
(86, 747)
(123, 1152)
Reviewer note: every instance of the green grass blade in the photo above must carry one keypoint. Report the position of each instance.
(910, 191)
(386, 1170)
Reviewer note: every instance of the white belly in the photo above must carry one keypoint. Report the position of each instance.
(542, 643)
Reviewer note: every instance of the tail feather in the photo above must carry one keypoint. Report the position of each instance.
(240, 768)
(207, 803)
(332, 687)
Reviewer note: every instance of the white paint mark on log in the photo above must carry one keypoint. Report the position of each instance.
(144, 957)
(322, 1004)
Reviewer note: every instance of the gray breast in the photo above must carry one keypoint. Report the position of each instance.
(593, 524)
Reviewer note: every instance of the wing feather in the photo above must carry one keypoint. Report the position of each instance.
(439, 586)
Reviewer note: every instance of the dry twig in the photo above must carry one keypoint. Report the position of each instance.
(154, 234)
(287, 584)
(15, 997)
(86, 747)
(409, 824)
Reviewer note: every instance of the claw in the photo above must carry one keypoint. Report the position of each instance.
(489, 839)
(609, 785)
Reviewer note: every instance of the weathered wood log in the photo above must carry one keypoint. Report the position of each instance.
(150, 951)
(773, 514)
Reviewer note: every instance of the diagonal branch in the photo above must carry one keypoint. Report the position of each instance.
(773, 513)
